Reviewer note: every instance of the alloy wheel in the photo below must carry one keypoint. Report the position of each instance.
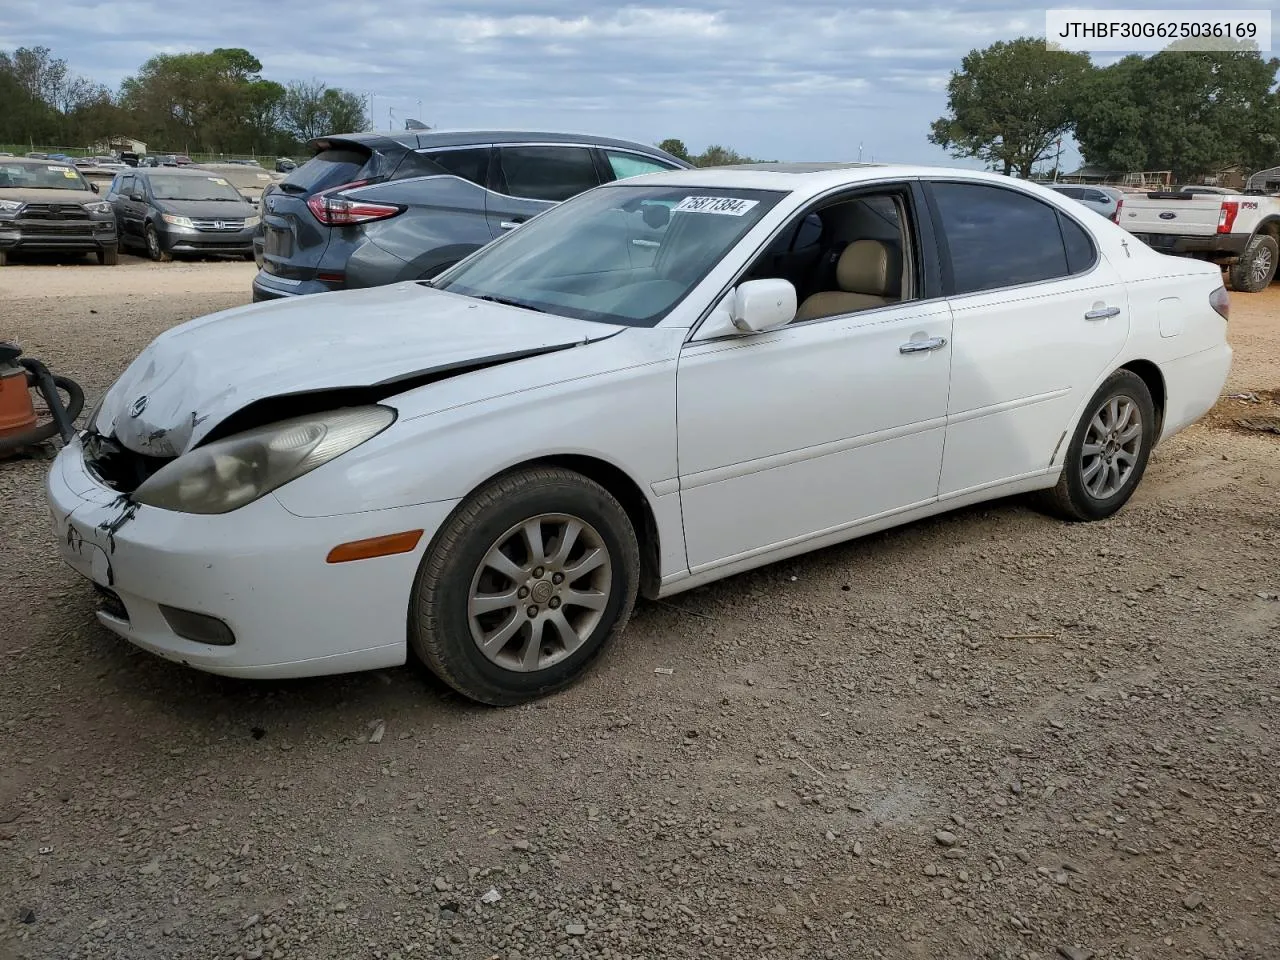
(1111, 447)
(1261, 266)
(539, 592)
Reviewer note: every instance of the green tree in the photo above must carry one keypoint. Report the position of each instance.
(1190, 111)
(677, 149)
(312, 109)
(1009, 103)
(718, 156)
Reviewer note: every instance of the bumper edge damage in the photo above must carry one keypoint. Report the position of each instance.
(259, 570)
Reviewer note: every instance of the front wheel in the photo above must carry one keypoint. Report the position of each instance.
(154, 249)
(109, 256)
(1108, 454)
(524, 586)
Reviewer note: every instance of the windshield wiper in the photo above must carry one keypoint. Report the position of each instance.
(508, 302)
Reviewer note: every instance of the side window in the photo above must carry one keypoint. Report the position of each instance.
(547, 173)
(626, 165)
(998, 237)
(469, 163)
(1073, 192)
(1097, 196)
(1080, 250)
(126, 185)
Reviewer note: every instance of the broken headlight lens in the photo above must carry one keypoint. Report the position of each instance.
(225, 475)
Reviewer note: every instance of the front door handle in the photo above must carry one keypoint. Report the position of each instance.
(510, 224)
(923, 346)
(1102, 313)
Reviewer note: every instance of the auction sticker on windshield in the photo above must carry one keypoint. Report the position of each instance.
(729, 206)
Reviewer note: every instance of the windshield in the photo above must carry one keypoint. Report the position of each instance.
(618, 254)
(41, 176)
(193, 188)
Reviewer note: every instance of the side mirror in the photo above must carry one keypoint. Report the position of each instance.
(760, 305)
(93, 186)
(751, 307)
(137, 196)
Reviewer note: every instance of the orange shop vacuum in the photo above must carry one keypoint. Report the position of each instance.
(22, 424)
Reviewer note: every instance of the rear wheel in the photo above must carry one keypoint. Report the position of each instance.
(109, 256)
(524, 586)
(4, 257)
(1108, 454)
(1256, 268)
(154, 250)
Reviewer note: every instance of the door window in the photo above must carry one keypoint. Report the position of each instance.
(469, 163)
(999, 237)
(626, 165)
(547, 173)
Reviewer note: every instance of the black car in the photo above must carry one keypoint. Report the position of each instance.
(168, 210)
(369, 208)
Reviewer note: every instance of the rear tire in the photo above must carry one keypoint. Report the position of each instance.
(1108, 454)
(505, 617)
(4, 257)
(1256, 268)
(109, 256)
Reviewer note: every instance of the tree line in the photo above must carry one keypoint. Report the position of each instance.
(206, 102)
(1193, 112)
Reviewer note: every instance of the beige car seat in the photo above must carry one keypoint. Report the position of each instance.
(869, 273)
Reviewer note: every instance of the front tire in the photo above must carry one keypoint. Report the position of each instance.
(154, 249)
(524, 586)
(1108, 454)
(109, 256)
(1256, 268)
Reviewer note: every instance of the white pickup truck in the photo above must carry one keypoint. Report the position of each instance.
(1238, 231)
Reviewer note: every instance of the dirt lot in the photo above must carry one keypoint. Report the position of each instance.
(987, 735)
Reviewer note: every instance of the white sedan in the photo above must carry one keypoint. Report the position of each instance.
(663, 382)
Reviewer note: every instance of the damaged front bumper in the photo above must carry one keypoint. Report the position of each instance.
(259, 570)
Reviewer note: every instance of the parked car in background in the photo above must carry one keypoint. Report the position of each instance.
(169, 210)
(372, 208)
(484, 471)
(250, 180)
(182, 160)
(285, 165)
(50, 207)
(1235, 231)
(1101, 200)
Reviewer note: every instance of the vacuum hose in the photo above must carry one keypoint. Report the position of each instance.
(64, 415)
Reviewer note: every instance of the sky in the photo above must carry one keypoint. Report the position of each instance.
(789, 80)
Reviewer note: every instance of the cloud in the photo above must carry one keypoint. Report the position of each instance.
(809, 79)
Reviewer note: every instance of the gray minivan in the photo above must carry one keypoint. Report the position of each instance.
(371, 208)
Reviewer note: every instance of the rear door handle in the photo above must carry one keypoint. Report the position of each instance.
(1102, 313)
(923, 346)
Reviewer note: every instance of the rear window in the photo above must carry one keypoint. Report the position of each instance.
(327, 169)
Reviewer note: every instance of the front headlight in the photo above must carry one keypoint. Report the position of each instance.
(225, 475)
(100, 207)
(175, 220)
(10, 206)
(250, 222)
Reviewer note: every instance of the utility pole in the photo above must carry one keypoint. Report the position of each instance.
(859, 153)
(1057, 161)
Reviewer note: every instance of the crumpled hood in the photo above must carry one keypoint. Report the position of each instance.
(191, 378)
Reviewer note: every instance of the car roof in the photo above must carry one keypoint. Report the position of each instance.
(34, 161)
(422, 140)
(812, 178)
(192, 171)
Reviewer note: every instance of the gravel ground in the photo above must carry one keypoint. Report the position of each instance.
(988, 735)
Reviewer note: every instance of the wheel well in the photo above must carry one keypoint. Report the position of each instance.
(633, 500)
(1271, 228)
(1154, 380)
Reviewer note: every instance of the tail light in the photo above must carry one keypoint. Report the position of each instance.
(339, 211)
(1115, 216)
(1227, 215)
(1221, 303)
